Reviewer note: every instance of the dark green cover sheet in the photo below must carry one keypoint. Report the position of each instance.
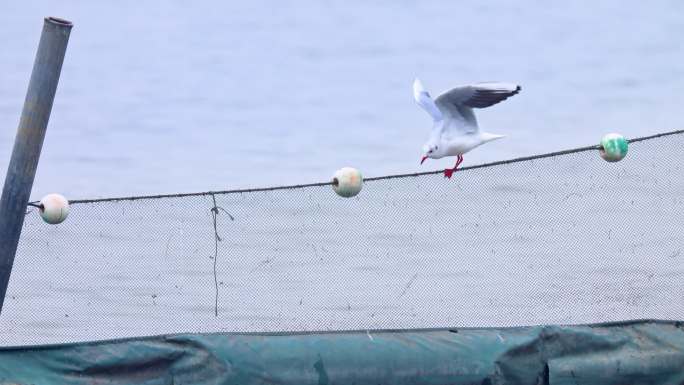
(639, 352)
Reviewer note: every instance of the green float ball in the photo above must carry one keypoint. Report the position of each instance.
(613, 147)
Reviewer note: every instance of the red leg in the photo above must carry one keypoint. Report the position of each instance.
(450, 171)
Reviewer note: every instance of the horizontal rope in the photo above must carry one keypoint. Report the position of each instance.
(300, 186)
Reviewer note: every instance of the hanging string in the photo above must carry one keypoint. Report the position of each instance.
(214, 213)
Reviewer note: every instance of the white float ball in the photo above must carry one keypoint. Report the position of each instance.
(347, 182)
(54, 208)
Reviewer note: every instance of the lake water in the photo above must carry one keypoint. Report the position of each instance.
(165, 97)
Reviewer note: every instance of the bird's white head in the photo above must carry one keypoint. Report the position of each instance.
(432, 150)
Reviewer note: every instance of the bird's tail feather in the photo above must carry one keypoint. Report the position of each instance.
(487, 137)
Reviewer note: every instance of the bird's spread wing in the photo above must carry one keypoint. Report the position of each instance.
(479, 95)
(425, 101)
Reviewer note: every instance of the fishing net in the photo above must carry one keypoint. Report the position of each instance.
(565, 238)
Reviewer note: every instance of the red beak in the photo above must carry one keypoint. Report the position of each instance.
(423, 159)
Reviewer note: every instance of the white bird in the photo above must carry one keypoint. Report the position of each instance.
(455, 129)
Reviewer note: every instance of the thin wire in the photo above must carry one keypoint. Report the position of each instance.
(299, 186)
(214, 213)
(217, 239)
(37, 205)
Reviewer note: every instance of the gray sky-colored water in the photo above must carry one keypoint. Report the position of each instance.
(164, 97)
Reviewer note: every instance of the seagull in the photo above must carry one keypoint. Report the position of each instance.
(454, 129)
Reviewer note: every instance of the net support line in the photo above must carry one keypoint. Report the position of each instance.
(371, 179)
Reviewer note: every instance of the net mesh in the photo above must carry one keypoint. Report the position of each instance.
(562, 239)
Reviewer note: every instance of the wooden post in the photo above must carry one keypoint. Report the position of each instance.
(29, 141)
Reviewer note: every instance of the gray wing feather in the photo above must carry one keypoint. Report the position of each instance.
(459, 117)
(479, 95)
(457, 104)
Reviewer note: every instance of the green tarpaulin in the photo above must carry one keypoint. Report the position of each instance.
(644, 352)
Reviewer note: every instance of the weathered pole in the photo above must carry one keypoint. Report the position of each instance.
(29, 141)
